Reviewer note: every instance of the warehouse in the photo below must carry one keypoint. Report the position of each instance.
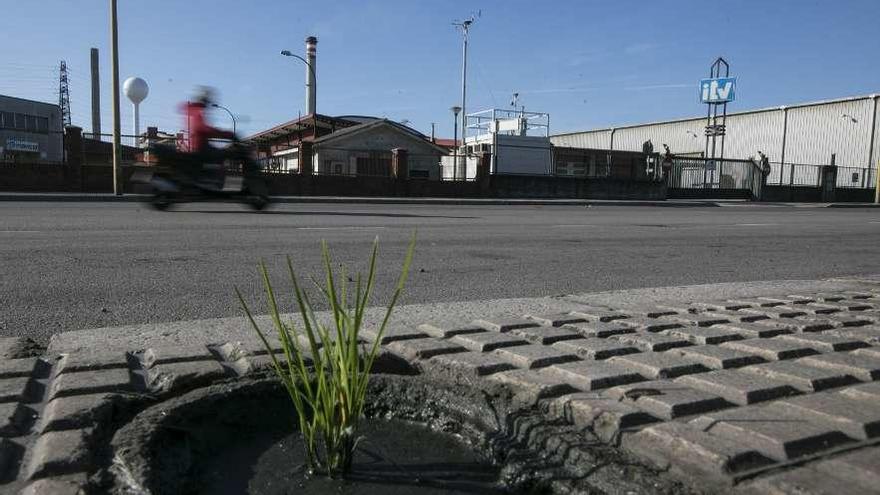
(796, 138)
(30, 131)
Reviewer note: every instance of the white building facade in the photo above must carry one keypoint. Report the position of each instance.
(791, 136)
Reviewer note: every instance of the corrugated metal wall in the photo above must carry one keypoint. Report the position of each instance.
(814, 132)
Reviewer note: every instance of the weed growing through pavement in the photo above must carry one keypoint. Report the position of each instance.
(326, 368)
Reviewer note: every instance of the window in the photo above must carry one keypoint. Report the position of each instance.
(42, 124)
(8, 120)
(30, 123)
(20, 121)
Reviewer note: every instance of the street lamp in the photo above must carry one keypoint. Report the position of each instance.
(311, 83)
(455, 110)
(227, 111)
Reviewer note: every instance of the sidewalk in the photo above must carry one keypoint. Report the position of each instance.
(731, 388)
(682, 203)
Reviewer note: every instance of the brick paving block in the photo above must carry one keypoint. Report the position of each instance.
(806, 480)
(677, 446)
(825, 343)
(776, 433)
(788, 300)
(851, 319)
(598, 314)
(653, 341)
(605, 417)
(163, 378)
(865, 391)
(822, 308)
(175, 354)
(596, 348)
(853, 305)
(75, 412)
(720, 306)
(869, 352)
(652, 311)
(739, 387)
(668, 399)
(546, 335)
(504, 324)
(446, 331)
(801, 323)
(17, 368)
(862, 367)
(717, 358)
(592, 375)
(825, 297)
(853, 417)
(776, 312)
(601, 329)
(772, 349)
(658, 365)
(557, 319)
(393, 334)
(15, 420)
(869, 335)
(424, 348)
(698, 320)
(707, 335)
(682, 309)
(473, 363)
(59, 452)
(487, 341)
(531, 384)
(801, 377)
(91, 361)
(754, 303)
(534, 356)
(859, 466)
(750, 330)
(13, 389)
(735, 316)
(644, 324)
(860, 294)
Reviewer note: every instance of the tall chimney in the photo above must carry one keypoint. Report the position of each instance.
(96, 97)
(311, 92)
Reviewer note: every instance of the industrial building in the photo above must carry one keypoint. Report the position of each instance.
(796, 138)
(30, 131)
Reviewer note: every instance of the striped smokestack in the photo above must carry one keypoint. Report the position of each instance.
(311, 91)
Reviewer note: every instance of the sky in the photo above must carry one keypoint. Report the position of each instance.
(587, 63)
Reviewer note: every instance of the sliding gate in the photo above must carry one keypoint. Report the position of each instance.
(701, 178)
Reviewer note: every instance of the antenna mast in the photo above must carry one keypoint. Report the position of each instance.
(464, 27)
(64, 95)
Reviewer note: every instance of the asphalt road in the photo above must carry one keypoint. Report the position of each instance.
(69, 266)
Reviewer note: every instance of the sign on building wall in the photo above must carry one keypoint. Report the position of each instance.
(718, 90)
(16, 144)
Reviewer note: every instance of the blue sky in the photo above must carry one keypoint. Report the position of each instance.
(587, 63)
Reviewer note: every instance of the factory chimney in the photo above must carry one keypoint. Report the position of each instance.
(311, 91)
(96, 96)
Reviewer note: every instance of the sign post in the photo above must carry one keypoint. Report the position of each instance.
(716, 92)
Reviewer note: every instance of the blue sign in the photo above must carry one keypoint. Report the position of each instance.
(718, 90)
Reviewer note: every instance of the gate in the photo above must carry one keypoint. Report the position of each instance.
(703, 178)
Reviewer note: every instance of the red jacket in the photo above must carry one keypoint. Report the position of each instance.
(199, 130)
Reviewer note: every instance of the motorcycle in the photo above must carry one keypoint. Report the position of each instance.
(225, 174)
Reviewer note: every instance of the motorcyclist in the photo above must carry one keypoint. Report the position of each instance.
(200, 132)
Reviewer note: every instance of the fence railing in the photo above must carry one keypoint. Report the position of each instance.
(808, 175)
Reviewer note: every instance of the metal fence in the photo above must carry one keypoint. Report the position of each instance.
(808, 175)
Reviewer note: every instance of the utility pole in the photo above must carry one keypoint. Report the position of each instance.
(96, 96)
(464, 26)
(114, 49)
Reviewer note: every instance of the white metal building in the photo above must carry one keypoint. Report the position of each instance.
(798, 134)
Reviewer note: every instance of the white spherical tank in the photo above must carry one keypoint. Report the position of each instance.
(135, 89)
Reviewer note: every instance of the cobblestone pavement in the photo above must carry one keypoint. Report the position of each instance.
(761, 394)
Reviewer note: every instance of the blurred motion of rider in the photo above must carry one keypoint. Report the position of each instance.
(200, 131)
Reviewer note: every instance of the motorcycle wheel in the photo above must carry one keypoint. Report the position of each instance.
(161, 201)
(258, 202)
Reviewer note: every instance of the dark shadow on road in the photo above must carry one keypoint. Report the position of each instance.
(332, 213)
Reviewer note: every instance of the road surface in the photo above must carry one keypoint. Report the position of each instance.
(69, 266)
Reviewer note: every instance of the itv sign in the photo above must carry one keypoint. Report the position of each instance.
(718, 90)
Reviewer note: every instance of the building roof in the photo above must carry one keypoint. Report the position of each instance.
(744, 112)
(400, 128)
(446, 142)
(31, 101)
(300, 124)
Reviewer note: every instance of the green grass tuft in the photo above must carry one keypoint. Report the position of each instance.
(328, 391)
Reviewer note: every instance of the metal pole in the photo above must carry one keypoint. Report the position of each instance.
(227, 111)
(784, 133)
(464, 88)
(877, 185)
(455, 149)
(114, 49)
